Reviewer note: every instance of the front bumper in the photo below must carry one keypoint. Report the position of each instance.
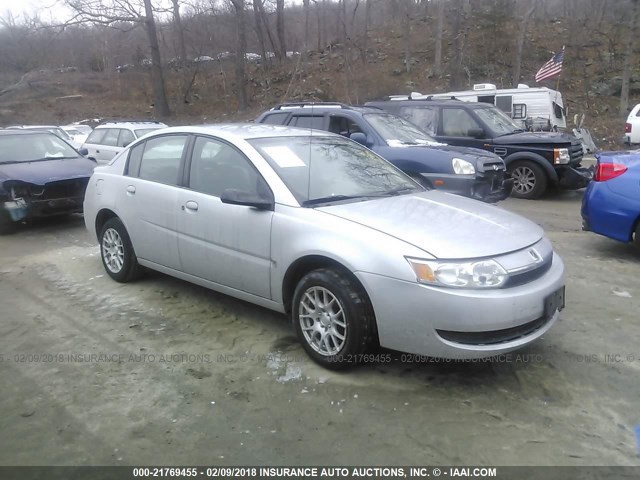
(573, 178)
(489, 189)
(21, 209)
(419, 319)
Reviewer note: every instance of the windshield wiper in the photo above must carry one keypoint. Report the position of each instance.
(332, 198)
(396, 191)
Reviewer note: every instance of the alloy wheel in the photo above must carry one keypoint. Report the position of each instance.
(524, 179)
(113, 250)
(322, 320)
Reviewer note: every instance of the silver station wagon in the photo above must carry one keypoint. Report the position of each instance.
(319, 227)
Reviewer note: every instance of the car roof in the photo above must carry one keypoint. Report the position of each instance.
(245, 131)
(131, 124)
(432, 101)
(21, 131)
(310, 107)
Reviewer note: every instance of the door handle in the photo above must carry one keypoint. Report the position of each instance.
(97, 151)
(131, 190)
(191, 205)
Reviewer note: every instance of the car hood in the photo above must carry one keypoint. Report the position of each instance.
(46, 171)
(438, 152)
(528, 138)
(442, 224)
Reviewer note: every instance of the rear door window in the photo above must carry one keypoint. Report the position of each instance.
(162, 159)
(276, 118)
(126, 137)
(96, 136)
(424, 117)
(111, 137)
(457, 122)
(307, 121)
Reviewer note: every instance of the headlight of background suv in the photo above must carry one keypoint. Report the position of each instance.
(561, 156)
(462, 167)
(480, 274)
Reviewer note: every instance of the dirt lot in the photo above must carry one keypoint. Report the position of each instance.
(164, 372)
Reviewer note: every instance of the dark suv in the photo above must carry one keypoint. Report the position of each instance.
(535, 160)
(465, 171)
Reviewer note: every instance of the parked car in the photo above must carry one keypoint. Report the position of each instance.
(110, 138)
(40, 175)
(465, 171)
(611, 204)
(632, 126)
(535, 160)
(60, 132)
(322, 228)
(77, 137)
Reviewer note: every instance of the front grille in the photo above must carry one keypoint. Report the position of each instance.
(576, 153)
(491, 337)
(62, 189)
(492, 166)
(516, 279)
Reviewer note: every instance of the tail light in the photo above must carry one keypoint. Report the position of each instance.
(607, 171)
(627, 128)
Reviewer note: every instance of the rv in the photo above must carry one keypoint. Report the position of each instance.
(537, 108)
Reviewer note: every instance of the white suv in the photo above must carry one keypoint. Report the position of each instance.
(110, 138)
(632, 127)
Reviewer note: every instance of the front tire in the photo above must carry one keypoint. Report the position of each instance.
(529, 180)
(333, 318)
(118, 257)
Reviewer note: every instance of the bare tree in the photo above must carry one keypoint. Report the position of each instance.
(437, 61)
(241, 50)
(179, 31)
(100, 12)
(522, 34)
(280, 29)
(406, 26)
(260, 31)
(628, 57)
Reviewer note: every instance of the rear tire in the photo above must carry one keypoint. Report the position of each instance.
(116, 251)
(529, 180)
(333, 318)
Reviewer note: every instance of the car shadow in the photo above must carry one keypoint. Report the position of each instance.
(48, 224)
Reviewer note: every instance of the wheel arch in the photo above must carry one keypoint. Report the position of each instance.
(306, 264)
(551, 173)
(101, 218)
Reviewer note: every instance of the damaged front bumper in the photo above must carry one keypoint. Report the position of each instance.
(574, 178)
(56, 198)
(486, 188)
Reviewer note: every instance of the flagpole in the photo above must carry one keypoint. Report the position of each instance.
(560, 74)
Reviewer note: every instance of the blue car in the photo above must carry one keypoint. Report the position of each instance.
(470, 172)
(611, 204)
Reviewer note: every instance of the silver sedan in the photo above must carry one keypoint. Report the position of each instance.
(320, 228)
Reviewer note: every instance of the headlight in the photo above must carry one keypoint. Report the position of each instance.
(480, 274)
(561, 156)
(462, 167)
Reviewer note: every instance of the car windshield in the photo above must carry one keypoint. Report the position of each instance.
(326, 169)
(143, 131)
(34, 147)
(396, 131)
(499, 122)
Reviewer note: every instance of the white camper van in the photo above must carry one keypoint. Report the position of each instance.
(537, 108)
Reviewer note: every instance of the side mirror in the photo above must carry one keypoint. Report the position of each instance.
(83, 151)
(475, 133)
(361, 138)
(126, 144)
(236, 197)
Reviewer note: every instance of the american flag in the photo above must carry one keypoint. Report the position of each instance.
(552, 68)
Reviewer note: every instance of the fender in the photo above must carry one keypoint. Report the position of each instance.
(534, 157)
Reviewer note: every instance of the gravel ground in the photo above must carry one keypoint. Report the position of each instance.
(164, 372)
